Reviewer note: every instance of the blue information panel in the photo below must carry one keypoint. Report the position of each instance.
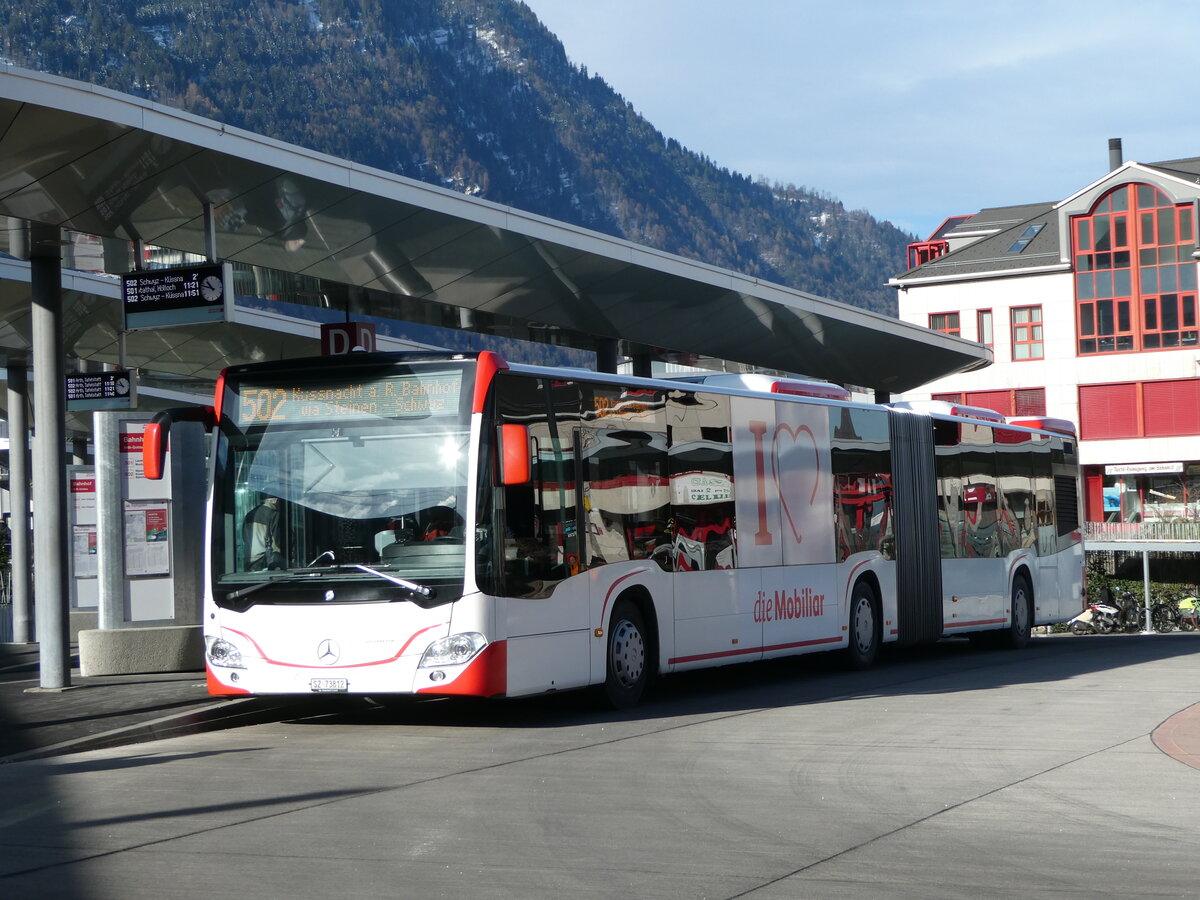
(184, 295)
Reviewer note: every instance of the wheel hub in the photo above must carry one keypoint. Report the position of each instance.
(864, 625)
(628, 653)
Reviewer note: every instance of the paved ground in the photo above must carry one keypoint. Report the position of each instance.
(951, 773)
(106, 711)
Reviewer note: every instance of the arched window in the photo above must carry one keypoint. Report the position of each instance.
(1135, 278)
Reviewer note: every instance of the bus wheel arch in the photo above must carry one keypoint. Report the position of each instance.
(865, 623)
(631, 649)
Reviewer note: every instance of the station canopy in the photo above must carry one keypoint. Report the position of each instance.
(312, 230)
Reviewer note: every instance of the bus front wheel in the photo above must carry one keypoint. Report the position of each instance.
(864, 627)
(627, 663)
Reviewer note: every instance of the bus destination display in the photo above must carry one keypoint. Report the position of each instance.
(408, 396)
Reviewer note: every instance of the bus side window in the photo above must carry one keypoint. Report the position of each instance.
(950, 503)
(862, 481)
(978, 498)
(538, 517)
(700, 459)
(626, 495)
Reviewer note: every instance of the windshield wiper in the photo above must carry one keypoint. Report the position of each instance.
(419, 589)
(281, 578)
(425, 593)
(274, 579)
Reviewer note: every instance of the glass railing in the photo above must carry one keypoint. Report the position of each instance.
(1143, 531)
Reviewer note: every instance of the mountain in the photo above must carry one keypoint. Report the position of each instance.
(475, 95)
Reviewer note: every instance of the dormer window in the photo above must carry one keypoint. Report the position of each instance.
(1026, 237)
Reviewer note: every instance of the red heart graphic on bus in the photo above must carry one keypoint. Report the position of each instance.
(797, 482)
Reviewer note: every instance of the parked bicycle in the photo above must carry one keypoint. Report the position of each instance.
(1174, 611)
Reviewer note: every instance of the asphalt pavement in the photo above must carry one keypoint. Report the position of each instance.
(111, 710)
(115, 710)
(943, 772)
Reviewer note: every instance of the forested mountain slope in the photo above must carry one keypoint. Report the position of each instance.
(475, 95)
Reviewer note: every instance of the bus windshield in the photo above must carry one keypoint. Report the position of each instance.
(362, 478)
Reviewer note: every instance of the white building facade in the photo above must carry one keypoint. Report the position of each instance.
(1090, 307)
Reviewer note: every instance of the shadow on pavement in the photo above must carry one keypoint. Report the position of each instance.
(817, 678)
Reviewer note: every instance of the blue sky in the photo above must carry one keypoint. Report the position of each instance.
(913, 111)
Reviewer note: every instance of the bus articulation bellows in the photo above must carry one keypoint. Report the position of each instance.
(425, 523)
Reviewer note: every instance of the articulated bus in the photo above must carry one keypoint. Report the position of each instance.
(451, 524)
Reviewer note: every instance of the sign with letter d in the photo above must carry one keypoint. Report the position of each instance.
(338, 338)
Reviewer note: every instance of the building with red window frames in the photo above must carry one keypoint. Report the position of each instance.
(1089, 304)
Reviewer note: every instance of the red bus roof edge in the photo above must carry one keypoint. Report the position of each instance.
(485, 371)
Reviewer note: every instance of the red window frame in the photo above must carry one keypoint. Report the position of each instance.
(979, 328)
(946, 323)
(1028, 342)
(1135, 278)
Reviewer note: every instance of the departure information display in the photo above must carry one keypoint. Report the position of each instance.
(391, 397)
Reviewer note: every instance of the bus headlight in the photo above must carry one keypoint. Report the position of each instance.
(453, 650)
(223, 653)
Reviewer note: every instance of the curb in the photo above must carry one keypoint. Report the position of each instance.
(1179, 736)
(215, 716)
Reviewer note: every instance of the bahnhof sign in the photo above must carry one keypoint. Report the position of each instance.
(279, 240)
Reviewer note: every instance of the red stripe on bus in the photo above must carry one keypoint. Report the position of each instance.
(850, 580)
(980, 622)
(723, 654)
(613, 587)
(378, 662)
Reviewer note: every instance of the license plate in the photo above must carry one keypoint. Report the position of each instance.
(328, 685)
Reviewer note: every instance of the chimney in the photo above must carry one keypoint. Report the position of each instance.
(1115, 156)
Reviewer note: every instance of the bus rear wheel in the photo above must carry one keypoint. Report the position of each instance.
(628, 668)
(1020, 625)
(864, 627)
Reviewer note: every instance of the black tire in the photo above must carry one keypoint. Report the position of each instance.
(1162, 618)
(1080, 628)
(627, 657)
(864, 627)
(1020, 625)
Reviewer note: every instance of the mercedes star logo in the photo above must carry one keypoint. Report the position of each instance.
(328, 652)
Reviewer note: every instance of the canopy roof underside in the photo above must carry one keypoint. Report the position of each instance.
(94, 161)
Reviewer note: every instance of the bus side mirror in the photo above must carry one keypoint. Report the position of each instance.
(156, 436)
(154, 451)
(514, 455)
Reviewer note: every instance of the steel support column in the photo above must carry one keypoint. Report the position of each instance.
(18, 494)
(49, 470)
(110, 544)
(1146, 588)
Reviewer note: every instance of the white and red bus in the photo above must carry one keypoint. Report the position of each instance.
(450, 524)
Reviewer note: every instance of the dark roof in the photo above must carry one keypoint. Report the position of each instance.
(942, 230)
(994, 231)
(996, 218)
(1002, 227)
(1184, 168)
